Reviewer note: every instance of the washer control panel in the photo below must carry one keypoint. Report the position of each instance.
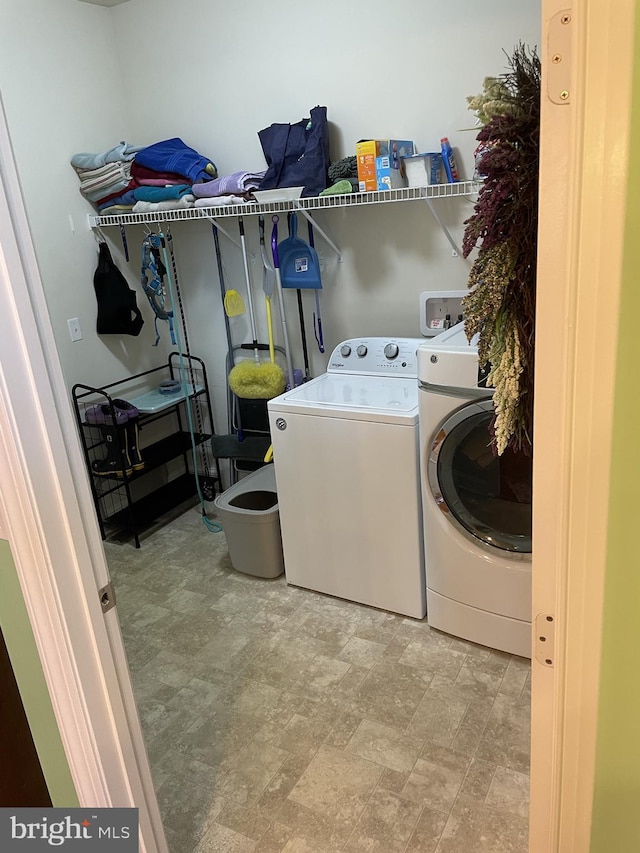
(376, 356)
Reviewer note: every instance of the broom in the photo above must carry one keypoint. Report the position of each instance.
(254, 380)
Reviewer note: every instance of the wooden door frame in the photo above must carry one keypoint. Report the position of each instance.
(584, 154)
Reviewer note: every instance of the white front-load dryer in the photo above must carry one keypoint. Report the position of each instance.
(476, 505)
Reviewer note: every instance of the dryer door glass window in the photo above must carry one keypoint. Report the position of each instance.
(489, 495)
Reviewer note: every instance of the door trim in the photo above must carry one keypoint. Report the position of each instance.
(46, 513)
(583, 176)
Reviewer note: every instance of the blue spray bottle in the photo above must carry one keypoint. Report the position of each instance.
(449, 161)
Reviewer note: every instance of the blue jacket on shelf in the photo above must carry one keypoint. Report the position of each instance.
(172, 155)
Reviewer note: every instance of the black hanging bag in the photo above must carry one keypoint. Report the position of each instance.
(118, 312)
(297, 154)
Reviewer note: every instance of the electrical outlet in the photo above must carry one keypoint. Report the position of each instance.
(75, 332)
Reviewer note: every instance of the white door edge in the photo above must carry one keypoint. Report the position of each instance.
(584, 151)
(48, 518)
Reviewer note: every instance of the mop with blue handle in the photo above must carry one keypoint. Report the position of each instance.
(254, 379)
(285, 334)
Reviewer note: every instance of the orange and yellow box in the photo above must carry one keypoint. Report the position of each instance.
(376, 174)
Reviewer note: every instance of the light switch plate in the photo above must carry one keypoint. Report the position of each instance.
(75, 332)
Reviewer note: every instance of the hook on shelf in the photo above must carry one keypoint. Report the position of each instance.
(98, 234)
(100, 237)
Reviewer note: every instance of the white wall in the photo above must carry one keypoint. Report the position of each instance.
(63, 91)
(77, 77)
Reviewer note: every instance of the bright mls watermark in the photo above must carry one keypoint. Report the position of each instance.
(81, 830)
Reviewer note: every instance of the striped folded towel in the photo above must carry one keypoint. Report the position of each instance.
(234, 184)
(97, 184)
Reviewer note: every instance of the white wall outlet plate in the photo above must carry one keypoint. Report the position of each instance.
(75, 332)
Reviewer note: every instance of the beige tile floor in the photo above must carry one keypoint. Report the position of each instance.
(277, 719)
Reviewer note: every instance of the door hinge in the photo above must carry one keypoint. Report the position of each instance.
(107, 596)
(558, 60)
(545, 642)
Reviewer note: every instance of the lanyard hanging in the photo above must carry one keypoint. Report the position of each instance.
(152, 280)
(205, 485)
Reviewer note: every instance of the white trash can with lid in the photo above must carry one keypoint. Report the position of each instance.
(250, 518)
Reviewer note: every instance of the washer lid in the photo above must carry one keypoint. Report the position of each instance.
(378, 398)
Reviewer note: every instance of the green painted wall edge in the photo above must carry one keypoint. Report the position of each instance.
(616, 816)
(25, 661)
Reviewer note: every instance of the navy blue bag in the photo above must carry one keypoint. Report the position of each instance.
(297, 155)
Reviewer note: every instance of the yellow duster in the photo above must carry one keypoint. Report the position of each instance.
(253, 381)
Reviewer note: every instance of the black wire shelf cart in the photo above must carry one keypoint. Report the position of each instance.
(173, 468)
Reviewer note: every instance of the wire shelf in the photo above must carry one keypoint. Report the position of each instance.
(436, 191)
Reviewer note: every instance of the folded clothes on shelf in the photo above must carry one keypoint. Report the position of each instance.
(162, 193)
(234, 184)
(145, 177)
(98, 185)
(173, 155)
(221, 200)
(151, 206)
(122, 151)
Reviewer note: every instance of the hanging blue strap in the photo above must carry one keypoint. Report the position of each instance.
(152, 279)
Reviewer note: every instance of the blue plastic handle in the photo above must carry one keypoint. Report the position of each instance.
(274, 242)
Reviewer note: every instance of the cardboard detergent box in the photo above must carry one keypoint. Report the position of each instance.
(380, 164)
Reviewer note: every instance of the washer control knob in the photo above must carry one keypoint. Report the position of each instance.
(391, 351)
(361, 351)
(345, 350)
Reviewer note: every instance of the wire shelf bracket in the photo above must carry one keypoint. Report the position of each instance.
(320, 230)
(454, 246)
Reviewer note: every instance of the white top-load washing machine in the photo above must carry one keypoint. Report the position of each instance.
(346, 462)
(476, 505)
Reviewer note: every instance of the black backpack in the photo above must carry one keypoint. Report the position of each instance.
(118, 312)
